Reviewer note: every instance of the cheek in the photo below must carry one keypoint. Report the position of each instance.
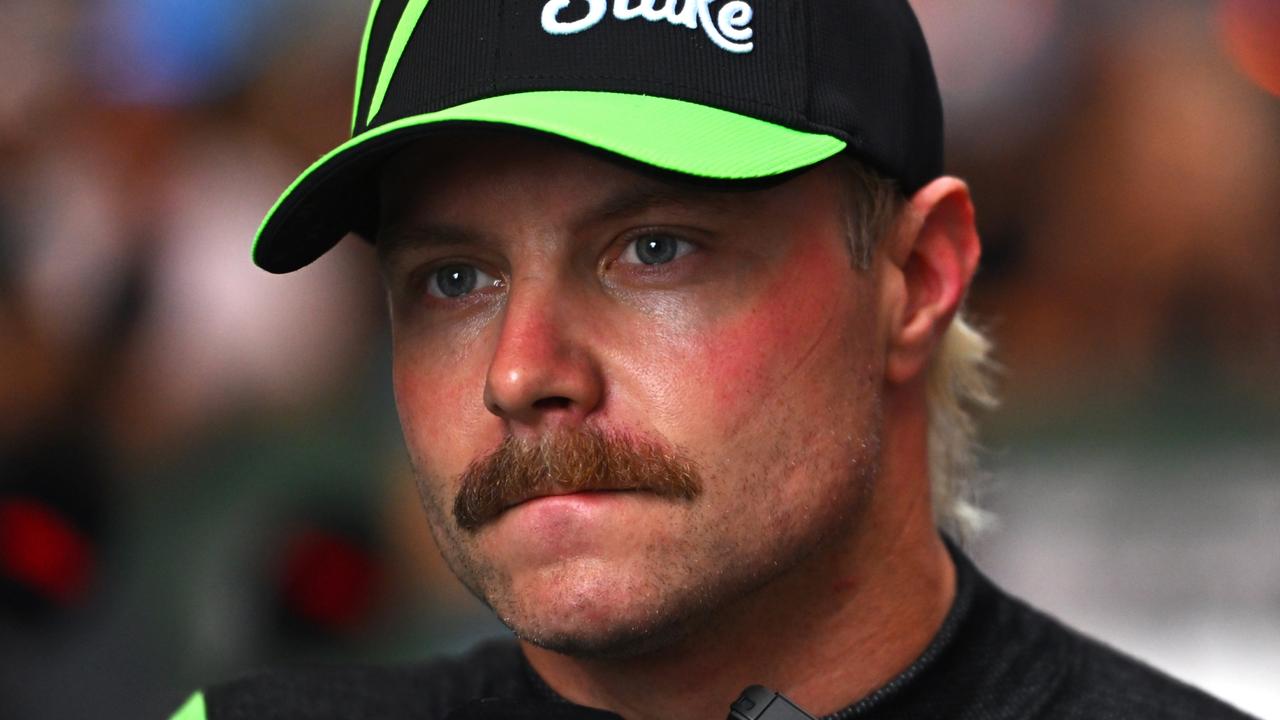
(441, 410)
(786, 334)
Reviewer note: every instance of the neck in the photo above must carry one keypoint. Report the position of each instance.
(826, 634)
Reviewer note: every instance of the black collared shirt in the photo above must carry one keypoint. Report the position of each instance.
(994, 658)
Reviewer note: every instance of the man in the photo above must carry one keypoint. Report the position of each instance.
(674, 290)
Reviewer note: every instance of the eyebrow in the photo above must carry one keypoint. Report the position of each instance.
(636, 201)
(396, 239)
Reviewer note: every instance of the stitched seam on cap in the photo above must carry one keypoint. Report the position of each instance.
(805, 28)
(498, 37)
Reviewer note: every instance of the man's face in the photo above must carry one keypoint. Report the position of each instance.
(540, 294)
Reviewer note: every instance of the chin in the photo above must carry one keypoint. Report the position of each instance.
(622, 644)
(616, 639)
(587, 614)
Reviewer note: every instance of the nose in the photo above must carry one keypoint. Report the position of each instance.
(543, 373)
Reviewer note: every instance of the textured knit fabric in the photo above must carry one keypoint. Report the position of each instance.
(995, 658)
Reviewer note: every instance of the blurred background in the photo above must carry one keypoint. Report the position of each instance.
(200, 466)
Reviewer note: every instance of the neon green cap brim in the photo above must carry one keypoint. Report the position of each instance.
(675, 135)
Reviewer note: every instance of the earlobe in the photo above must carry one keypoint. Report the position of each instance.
(937, 258)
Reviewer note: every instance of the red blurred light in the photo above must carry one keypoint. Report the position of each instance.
(40, 548)
(1251, 36)
(329, 581)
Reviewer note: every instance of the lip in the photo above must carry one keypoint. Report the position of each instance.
(543, 511)
(570, 496)
(548, 529)
(567, 495)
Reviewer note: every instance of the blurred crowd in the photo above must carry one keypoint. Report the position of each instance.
(200, 468)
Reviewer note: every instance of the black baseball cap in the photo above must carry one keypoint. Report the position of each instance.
(726, 90)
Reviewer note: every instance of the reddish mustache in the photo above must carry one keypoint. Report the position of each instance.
(567, 462)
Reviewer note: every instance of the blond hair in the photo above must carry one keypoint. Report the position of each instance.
(960, 374)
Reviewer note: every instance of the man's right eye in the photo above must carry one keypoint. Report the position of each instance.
(454, 281)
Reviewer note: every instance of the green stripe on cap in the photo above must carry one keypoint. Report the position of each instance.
(192, 710)
(364, 52)
(670, 134)
(399, 41)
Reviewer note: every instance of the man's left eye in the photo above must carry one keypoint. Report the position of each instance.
(655, 249)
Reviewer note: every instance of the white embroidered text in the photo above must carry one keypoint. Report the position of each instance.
(730, 28)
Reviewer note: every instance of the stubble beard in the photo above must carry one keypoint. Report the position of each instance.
(685, 586)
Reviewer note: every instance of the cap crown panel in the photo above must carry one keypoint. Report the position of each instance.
(463, 50)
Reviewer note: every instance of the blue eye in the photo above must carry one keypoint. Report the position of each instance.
(655, 249)
(455, 281)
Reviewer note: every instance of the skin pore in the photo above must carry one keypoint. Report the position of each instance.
(536, 290)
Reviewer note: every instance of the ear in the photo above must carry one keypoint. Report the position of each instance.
(936, 253)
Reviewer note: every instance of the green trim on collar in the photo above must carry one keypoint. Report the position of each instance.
(192, 710)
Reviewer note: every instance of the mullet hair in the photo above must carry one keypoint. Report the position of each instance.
(961, 372)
